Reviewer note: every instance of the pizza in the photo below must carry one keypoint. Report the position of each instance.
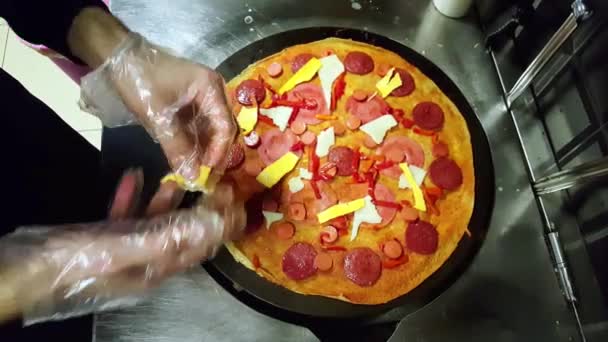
(356, 169)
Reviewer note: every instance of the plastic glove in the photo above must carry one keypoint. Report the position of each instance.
(58, 272)
(182, 104)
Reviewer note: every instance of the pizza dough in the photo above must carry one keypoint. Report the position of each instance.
(396, 247)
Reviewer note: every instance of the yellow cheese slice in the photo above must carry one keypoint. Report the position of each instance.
(418, 197)
(247, 118)
(388, 83)
(199, 184)
(174, 177)
(340, 209)
(273, 173)
(305, 74)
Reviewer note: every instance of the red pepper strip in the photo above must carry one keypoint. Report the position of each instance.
(266, 85)
(371, 185)
(326, 167)
(334, 248)
(430, 204)
(315, 189)
(315, 160)
(392, 263)
(340, 223)
(387, 204)
(338, 91)
(265, 119)
(294, 114)
(283, 102)
(421, 131)
(434, 191)
(321, 241)
(342, 232)
(311, 153)
(407, 123)
(384, 165)
(356, 159)
(299, 146)
(406, 203)
(256, 261)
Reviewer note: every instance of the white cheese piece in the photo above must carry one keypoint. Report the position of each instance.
(295, 184)
(271, 217)
(418, 174)
(325, 140)
(331, 68)
(367, 214)
(378, 127)
(280, 115)
(305, 174)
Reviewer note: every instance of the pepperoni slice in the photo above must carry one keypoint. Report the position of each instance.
(407, 84)
(362, 266)
(421, 237)
(299, 261)
(358, 62)
(275, 144)
(392, 249)
(360, 95)
(339, 128)
(382, 193)
(324, 262)
(285, 231)
(298, 127)
(409, 214)
(445, 173)
(440, 149)
(296, 211)
(275, 69)
(367, 110)
(343, 158)
(236, 156)
(312, 94)
(414, 154)
(428, 115)
(308, 138)
(249, 88)
(353, 122)
(299, 61)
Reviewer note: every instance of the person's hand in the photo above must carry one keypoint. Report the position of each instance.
(58, 272)
(182, 104)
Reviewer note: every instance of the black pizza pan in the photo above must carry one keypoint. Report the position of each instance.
(287, 305)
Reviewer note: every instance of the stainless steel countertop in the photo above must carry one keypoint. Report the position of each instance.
(510, 291)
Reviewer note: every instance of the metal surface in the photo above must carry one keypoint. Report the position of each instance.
(579, 13)
(509, 292)
(560, 125)
(569, 178)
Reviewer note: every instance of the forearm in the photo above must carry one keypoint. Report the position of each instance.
(94, 35)
(45, 22)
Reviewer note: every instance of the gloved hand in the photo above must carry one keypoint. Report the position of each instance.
(58, 272)
(182, 104)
